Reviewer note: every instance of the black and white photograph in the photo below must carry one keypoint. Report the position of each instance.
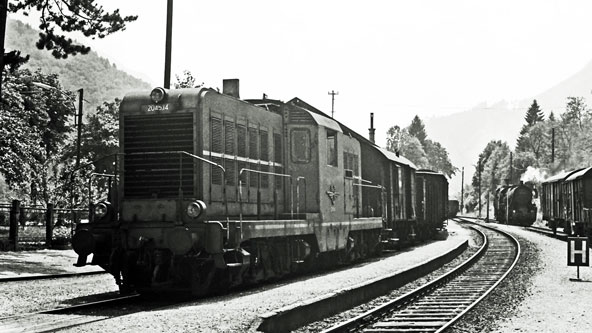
(295, 166)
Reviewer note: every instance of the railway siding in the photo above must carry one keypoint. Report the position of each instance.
(301, 313)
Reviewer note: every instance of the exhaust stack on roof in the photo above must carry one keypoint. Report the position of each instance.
(371, 130)
(231, 87)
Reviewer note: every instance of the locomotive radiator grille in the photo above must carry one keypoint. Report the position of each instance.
(149, 175)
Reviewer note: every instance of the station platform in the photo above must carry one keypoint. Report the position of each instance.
(31, 264)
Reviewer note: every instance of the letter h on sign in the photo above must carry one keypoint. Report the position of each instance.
(577, 251)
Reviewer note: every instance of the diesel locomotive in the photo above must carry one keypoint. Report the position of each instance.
(211, 191)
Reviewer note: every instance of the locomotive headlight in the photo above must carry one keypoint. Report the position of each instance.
(101, 210)
(157, 95)
(196, 209)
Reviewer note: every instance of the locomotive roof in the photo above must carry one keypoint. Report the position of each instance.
(344, 129)
(317, 116)
(579, 174)
(188, 97)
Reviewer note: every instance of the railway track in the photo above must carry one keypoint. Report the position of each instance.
(65, 317)
(548, 232)
(49, 276)
(438, 304)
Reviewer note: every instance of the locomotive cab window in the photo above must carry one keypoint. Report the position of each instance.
(300, 152)
(331, 148)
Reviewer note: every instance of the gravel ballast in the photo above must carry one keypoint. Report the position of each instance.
(538, 295)
(240, 311)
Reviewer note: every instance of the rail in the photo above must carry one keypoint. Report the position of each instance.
(436, 305)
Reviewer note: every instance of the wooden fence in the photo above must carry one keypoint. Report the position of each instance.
(36, 227)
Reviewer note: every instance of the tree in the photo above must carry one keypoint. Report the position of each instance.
(72, 15)
(68, 15)
(100, 137)
(438, 158)
(417, 129)
(575, 110)
(533, 116)
(34, 129)
(186, 81)
(493, 166)
(98, 149)
(412, 142)
(399, 141)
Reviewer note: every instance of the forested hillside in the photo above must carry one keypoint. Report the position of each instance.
(101, 80)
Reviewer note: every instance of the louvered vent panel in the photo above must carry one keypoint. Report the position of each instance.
(278, 179)
(253, 177)
(277, 148)
(253, 144)
(230, 167)
(216, 172)
(300, 116)
(241, 132)
(264, 146)
(216, 130)
(150, 175)
(229, 137)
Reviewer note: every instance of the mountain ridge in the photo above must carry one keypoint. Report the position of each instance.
(101, 80)
(465, 134)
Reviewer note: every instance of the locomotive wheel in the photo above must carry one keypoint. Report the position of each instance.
(126, 289)
(202, 277)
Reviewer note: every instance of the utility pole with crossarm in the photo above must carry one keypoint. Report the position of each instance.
(333, 93)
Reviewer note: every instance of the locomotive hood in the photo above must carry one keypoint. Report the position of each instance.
(172, 100)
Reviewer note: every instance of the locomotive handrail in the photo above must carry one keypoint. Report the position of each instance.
(298, 194)
(240, 192)
(371, 186)
(106, 175)
(382, 196)
(179, 152)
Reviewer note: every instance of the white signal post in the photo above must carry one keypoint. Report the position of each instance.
(578, 253)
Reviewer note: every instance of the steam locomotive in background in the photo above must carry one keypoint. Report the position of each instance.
(566, 202)
(513, 204)
(213, 192)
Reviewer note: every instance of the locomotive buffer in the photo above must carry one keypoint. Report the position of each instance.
(578, 253)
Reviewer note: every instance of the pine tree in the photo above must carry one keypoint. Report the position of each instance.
(534, 114)
(417, 129)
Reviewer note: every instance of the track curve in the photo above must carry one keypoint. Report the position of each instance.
(438, 304)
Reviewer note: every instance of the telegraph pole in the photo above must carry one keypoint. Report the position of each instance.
(167, 53)
(553, 145)
(79, 125)
(511, 167)
(489, 194)
(3, 11)
(333, 93)
(462, 190)
(479, 171)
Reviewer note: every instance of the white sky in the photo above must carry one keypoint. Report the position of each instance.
(393, 58)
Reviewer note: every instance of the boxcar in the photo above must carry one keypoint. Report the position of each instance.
(577, 191)
(552, 201)
(432, 202)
